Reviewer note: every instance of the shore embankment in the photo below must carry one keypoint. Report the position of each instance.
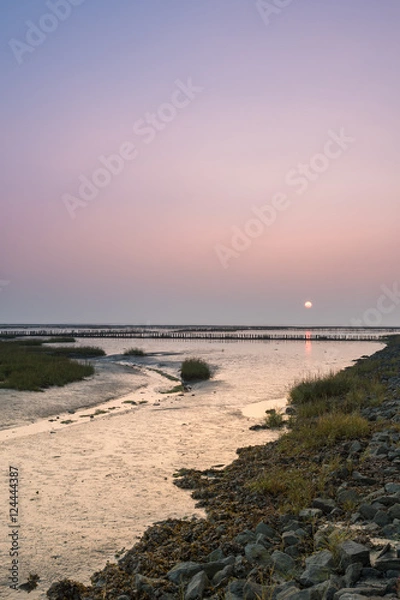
(312, 516)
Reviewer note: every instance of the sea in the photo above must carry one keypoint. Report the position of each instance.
(96, 459)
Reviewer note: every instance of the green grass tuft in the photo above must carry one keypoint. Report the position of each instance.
(195, 369)
(134, 352)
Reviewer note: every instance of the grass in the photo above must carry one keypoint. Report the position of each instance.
(28, 367)
(60, 340)
(134, 352)
(274, 420)
(79, 352)
(175, 390)
(164, 374)
(195, 369)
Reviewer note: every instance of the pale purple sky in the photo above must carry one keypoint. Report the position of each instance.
(258, 167)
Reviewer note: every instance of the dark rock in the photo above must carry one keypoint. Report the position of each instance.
(386, 564)
(257, 554)
(394, 511)
(310, 513)
(196, 587)
(325, 504)
(183, 571)
(367, 511)
(240, 589)
(314, 574)
(215, 555)
(324, 558)
(347, 496)
(351, 552)
(245, 537)
(282, 562)
(267, 531)
(362, 480)
(352, 574)
(381, 518)
(289, 538)
(222, 576)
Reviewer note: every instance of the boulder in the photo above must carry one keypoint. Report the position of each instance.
(282, 562)
(196, 587)
(257, 554)
(183, 571)
(351, 552)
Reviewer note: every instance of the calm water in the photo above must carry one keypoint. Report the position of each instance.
(89, 488)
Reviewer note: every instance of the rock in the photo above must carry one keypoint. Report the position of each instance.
(196, 587)
(325, 504)
(350, 552)
(257, 554)
(266, 530)
(394, 511)
(352, 574)
(314, 574)
(381, 518)
(245, 537)
(65, 589)
(282, 562)
(324, 558)
(367, 511)
(364, 592)
(213, 567)
(355, 448)
(222, 576)
(386, 564)
(240, 589)
(310, 513)
(347, 496)
(289, 538)
(215, 555)
(392, 488)
(183, 571)
(362, 480)
(264, 541)
(144, 584)
(334, 584)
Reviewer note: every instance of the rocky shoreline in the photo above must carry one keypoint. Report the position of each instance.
(327, 529)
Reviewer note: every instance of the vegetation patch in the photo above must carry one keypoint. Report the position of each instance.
(27, 367)
(175, 390)
(80, 352)
(134, 352)
(60, 340)
(274, 419)
(195, 369)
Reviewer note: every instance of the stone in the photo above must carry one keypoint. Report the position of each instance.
(183, 571)
(215, 555)
(381, 518)
(324, 558)
(262, 539)
(394, 511)
(310, 513)
(355, 447)
(240, 589)
(266, 530)
(351, 552)
(334, 584)
(325, 504)
(196, 587)
(347, 496)
(392, 488)
(386, 564)
(245, 537)
(257, 554)
(314, 574)
(362, 479)
(282, 562)
(367, 511)
(289, 538)
(352, 574)
(144, 584)
(363, 591)
(222, 577)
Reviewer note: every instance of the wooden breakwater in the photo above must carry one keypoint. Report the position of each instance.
(197, 334)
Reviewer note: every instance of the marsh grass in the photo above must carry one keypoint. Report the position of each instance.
(60, 340)
(134, 352)
(195, 369)
(79, 352)
(28, 367)
(274, 419)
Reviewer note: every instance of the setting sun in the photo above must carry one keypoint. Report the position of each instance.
(308, 304)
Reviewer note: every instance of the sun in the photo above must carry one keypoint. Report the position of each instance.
(308, 304)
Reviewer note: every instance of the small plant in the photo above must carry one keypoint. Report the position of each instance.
(274, 420)
(134, 352)
(78, 352)
(195, 369)
(60, 340)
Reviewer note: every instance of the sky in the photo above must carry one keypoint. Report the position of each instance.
(213, 162)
